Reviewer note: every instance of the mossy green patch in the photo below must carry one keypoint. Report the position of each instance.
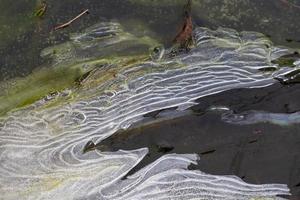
(71, 62)
(287, 60)
(284, 62)
(22, 92)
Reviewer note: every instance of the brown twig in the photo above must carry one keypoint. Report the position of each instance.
(71, 21)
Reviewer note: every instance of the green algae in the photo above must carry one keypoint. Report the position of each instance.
(287, 60)
(284, 62)
(117, 44)
(72, 63)
(21, 92)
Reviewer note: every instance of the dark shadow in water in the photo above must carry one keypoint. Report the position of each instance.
(260, 153)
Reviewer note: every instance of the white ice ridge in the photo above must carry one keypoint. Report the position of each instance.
(41, 153)
(253, 117)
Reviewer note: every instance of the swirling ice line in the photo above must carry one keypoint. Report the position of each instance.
(41, 150)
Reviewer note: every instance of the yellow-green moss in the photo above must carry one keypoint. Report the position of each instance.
(22, 92)
(70, 66)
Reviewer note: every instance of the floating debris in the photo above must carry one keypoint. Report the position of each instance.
(41, 10)
(71, 21)
(185, 36)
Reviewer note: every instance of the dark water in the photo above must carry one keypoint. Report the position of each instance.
(261, 153)
(22, 41)
(23, 36)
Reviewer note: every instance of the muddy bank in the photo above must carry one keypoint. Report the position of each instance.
(260, 153)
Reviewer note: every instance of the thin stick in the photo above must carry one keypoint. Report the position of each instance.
(71, 21)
